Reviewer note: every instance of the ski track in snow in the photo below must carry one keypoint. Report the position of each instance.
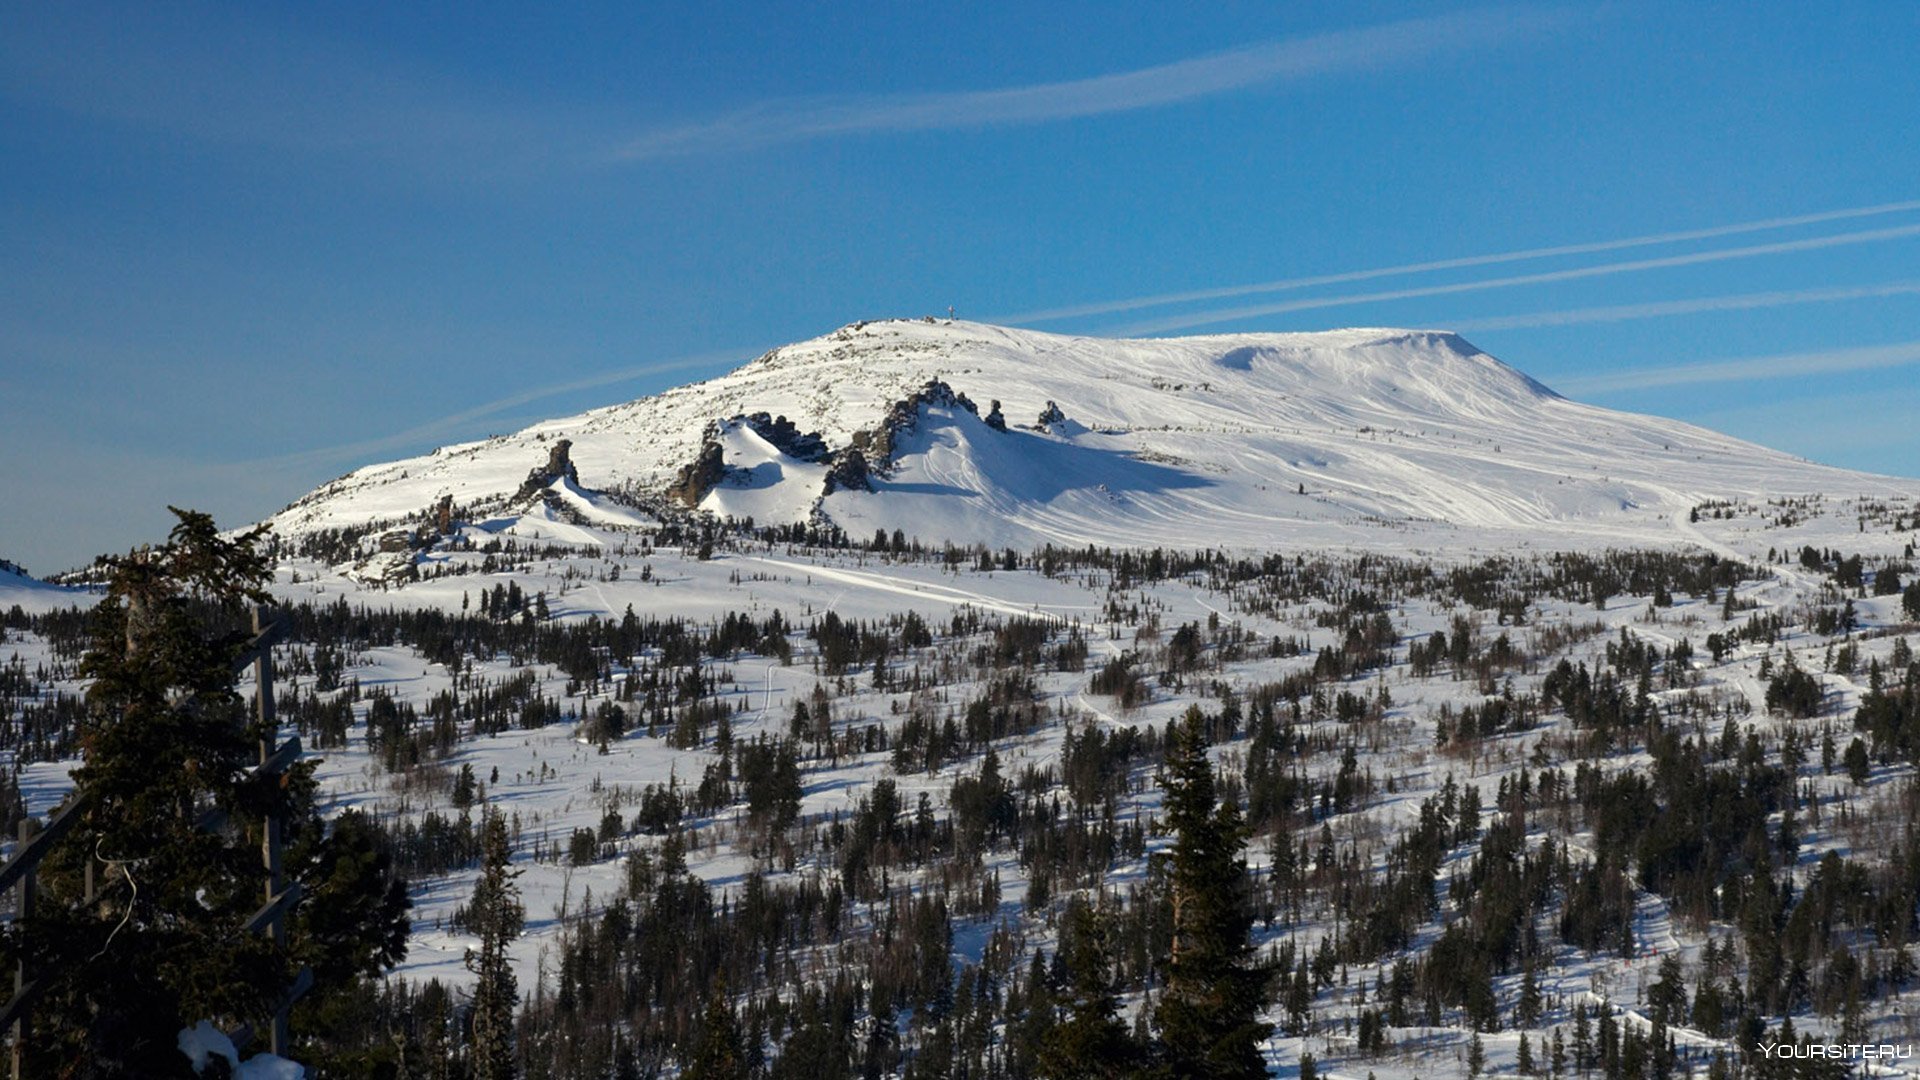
(903, 586)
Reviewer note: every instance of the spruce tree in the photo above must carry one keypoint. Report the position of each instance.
(720, 1054)
(1091, 1042)
(1209, 1016)
(495, 914)
(1526, 1013)
(1582, 1039)
(172, 827)
(1859, 767)
(1667, 997)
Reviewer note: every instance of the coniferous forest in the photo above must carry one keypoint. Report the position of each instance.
(1122, 813)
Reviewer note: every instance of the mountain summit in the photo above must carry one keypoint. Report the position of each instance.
(976, 433)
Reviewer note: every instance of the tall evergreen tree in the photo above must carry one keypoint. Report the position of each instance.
(494, 913)
(173, 825)
(1209, 1016)
(1091, 1042)
(720, 1054)
(1526, 1012)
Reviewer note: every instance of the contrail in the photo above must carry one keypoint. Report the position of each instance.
(1285, 284)
(1782, 366)
(1262, 63)
(1205, 318)
(457, 423)
(1658, 308)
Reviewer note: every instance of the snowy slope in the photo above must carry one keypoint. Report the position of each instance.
(764, 483)
(30, 594)
(1246, 440)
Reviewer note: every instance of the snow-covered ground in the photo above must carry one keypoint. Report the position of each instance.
(34, 596)
(552, 781)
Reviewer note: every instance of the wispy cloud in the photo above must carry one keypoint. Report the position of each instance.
(1227, 292)
(460, 425)
(1749, 368)
(1658, 308)
(113, 496)
(241, 77)
(1220, 315)
(1293, 59)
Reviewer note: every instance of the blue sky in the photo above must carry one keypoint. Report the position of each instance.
(244, 249)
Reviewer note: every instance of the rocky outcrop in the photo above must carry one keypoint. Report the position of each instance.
(1050, 416)
(559, 466)
(702, 474)
(709, 468)
(878, 445)
(851, 468)
(849, 472)
(786, 437)
(443, 516)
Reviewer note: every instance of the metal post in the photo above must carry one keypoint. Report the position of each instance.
(279, 1037)
(23, 909)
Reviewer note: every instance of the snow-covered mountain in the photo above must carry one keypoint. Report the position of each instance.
(975, 433)
(30, 594)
